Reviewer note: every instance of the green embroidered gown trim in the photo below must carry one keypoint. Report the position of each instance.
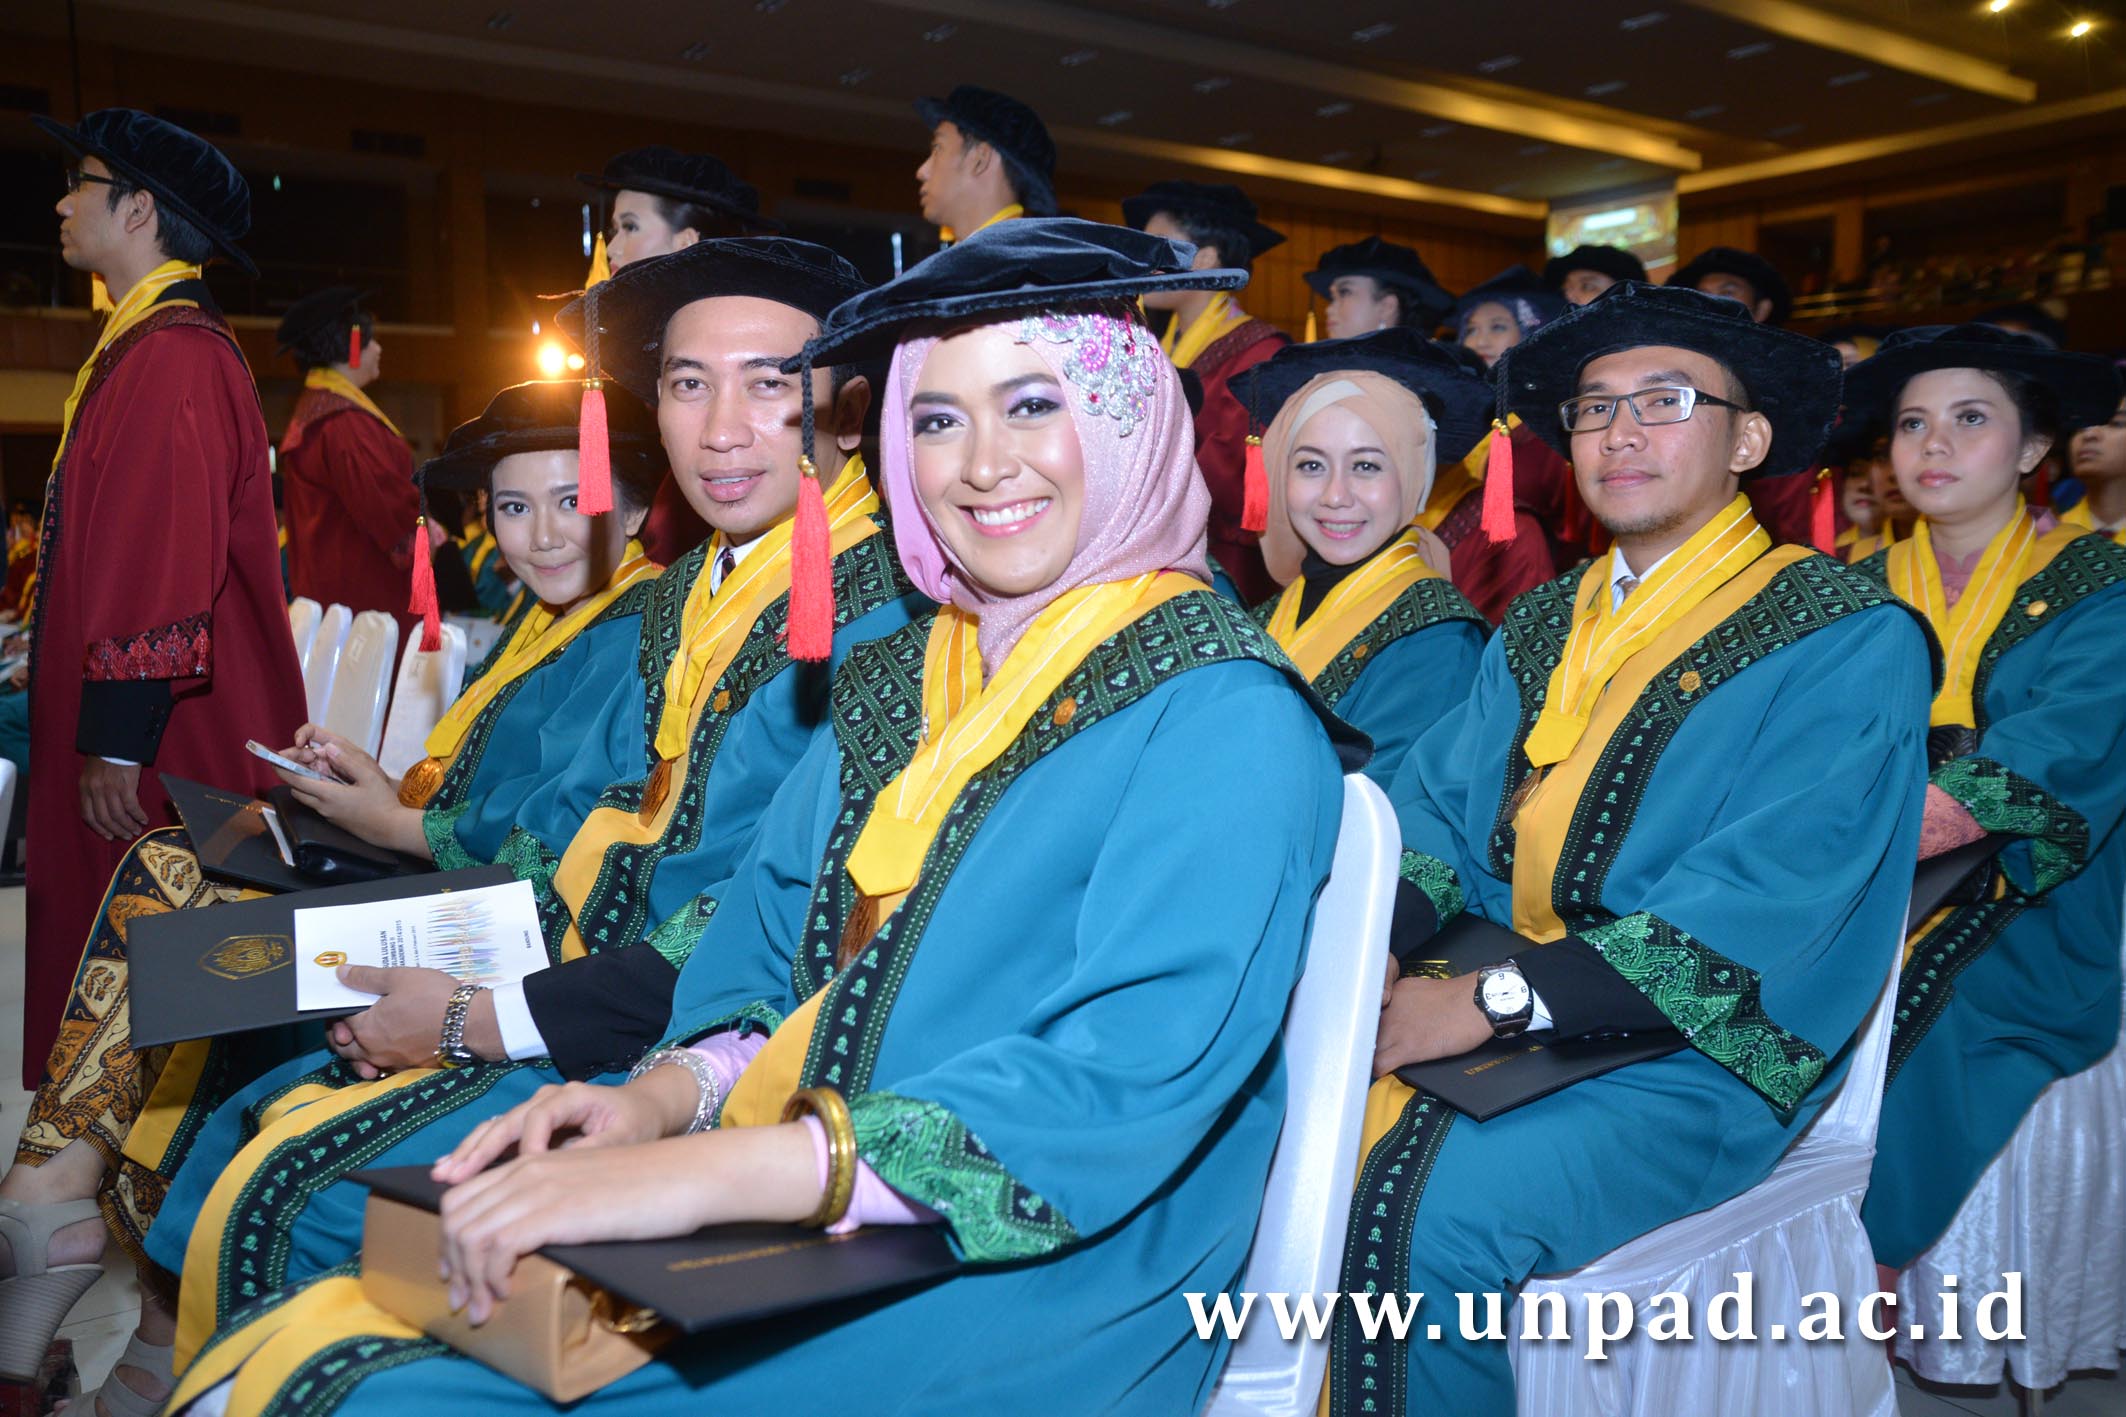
(2012, 805)
(1537, 627)
(1928, 980)
(922, 1150)
(1436, 879)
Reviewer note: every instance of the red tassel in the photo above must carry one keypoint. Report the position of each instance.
(594, 473)
(354, 345)
(423, 600)
(811, 572)
(1255, 490)
(1498, 520)
(1823, 514)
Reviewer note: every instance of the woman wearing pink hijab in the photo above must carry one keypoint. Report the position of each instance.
(1011, 952)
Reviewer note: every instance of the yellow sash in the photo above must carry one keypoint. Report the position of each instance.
(538, 635)
(138, 303)
(2015, 554)
(1219, 318)
(1604, 638)
(946, 233)
(332, 381)
(1354, 603)
(970, 725)
(482, 546)
(2079, 515)
(712, 627)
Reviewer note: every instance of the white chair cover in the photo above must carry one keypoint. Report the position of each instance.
(2052, 1208)
(480, 633)
(303, 615)
(8, 778)
(323, 661)
(1796, 1232)
(1328, 1049)
(427, 685)
(362, 687)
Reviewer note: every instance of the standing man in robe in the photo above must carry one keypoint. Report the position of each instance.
(991, 159)
(1209, 333)
(346, 472)
(160, 639)
(1586, 271)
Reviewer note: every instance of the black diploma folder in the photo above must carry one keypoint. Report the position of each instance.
(226, 968)
(230, 837)
(1955, 877)
(724, 1274)
(1506, 1072)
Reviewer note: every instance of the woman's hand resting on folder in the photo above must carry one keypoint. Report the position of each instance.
(1427, 1019)
(364, 799)
(645, 1191)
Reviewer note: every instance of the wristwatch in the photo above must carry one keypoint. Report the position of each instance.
(451, 1051)
(1505, 998)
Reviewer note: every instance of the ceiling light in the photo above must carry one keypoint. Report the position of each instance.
(1211, 85)
(1608, 165)
(1115, 119)
(1928, 100)
(1839, 81)
(1220, 4)
(767, 7)
(501, 19)
(1505, 187)
(1785, 130)
(1704, 111)
(1079, 56)
(1437, 130)
(1607, 86)
(1373, 32)
(850, 78)
(1750, 51)
(2080, 28)
(940, 34)
(1639, 22)
(1340, 155)
(1234, 140)
(696, 51)
(1504, 61)
(1428, 174)
(1535, 149)
(1333, 110)
(1996, 6)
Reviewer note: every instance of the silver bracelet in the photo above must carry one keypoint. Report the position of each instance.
(709, 1089)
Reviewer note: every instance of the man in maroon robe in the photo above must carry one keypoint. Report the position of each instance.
(160, 638)
(1212, 335)
(346, 473)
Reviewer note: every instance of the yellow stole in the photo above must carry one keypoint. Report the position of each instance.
(946, 233)
(332, 381)
(137, 305)
(1353, 603)
(969, 725)
(538, 635)
(2079, 515)
(1219, 318)
(713, 627)
(481, 547)
(1604, 638)
(2014, 555)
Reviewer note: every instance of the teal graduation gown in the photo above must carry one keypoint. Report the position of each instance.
(1747, 870)
(2005, 996)
(1095, 1117)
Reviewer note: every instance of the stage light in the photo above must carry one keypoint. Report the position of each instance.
(1996, 6)
(552, 359)
(575, 364)
(2079, 28)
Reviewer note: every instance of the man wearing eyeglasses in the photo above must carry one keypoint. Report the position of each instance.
(160, 641)
(1661, 784)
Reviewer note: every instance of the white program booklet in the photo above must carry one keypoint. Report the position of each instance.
(487, 936)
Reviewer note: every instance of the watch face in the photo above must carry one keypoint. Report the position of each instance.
(1505, 992)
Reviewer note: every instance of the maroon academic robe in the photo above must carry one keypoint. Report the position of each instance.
(1784, 505)
(673, 527)
(347, 483)
(1221, 451)
(161, 630)
(1492, 574)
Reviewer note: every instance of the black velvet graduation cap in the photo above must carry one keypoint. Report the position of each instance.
(1396, 268)
(328, 311)
(540, 417)
(632, 309)
(1791, 379)
(186, 173)
(1762, 275)
(1520, 290)
(1458, 399)
(1039, 264)
(1214, 203)
(1612, 261)
(1013, 129)
(2034, 318)
(2083, 388)
(695, 178)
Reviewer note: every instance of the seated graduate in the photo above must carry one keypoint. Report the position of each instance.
(2098, 462)
(1850, 454)
(1605, 791)
(1377, 285)
(960, 935)
(110, 1126)
(728, 684)
(2019, 984)
(1367, 612)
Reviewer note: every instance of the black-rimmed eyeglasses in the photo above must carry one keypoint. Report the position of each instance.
(1591, 413)
(75, 177)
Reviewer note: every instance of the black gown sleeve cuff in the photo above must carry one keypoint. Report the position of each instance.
(1583, 994)
(122, 718)
(1415, 922)
(600, 1013)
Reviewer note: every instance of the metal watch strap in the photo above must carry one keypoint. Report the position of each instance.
(451, 1051)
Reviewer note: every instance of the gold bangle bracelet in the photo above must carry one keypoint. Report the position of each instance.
(826, 1104)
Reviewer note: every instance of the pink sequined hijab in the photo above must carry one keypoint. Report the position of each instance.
(1145, 506)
